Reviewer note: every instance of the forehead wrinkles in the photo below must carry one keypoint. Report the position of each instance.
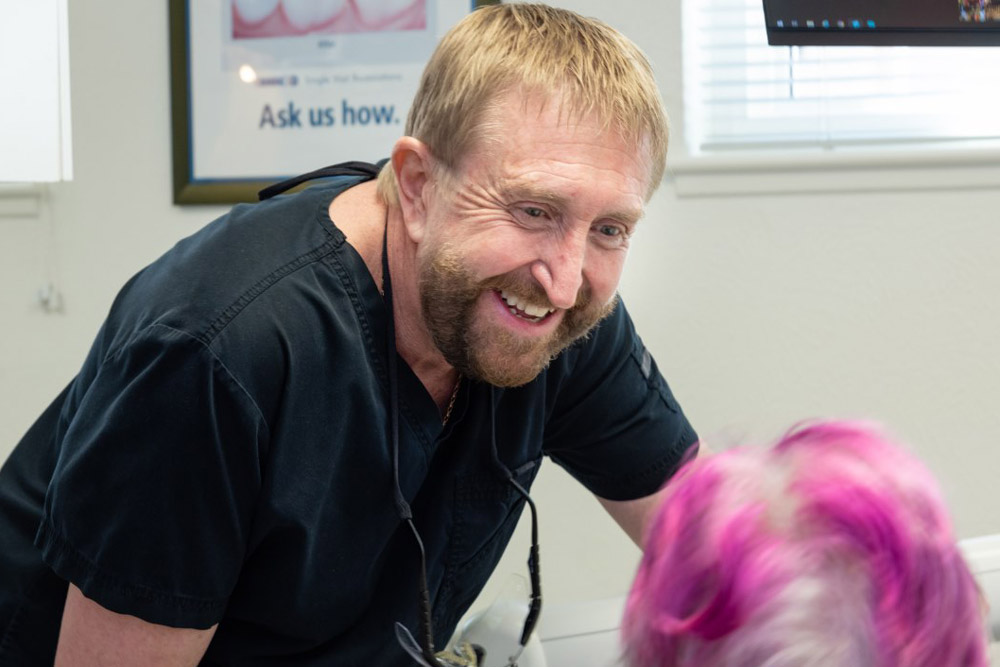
(497, 132)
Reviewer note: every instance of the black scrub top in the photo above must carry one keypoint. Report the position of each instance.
(223, 455)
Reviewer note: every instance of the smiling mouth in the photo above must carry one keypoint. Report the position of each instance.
(523, 309)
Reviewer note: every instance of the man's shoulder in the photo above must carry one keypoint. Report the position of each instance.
(228, 269)
(611, 337)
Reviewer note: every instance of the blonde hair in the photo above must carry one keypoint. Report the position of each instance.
(533, 49)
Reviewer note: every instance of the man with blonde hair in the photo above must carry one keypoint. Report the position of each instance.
(309, 429)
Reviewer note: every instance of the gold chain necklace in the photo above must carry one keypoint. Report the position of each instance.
(451, 401)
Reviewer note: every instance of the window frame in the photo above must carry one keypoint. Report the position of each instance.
(859, 166)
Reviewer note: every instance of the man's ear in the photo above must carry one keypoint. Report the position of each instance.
(413, 162)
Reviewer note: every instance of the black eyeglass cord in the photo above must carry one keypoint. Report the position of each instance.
(403, 507)
(535, 608)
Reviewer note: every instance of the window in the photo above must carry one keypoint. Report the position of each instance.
(741, 94)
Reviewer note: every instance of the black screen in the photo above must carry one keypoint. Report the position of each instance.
(883, 22)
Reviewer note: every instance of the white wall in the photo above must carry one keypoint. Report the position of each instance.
(761, 310)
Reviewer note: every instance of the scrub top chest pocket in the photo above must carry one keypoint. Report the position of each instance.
(486, 512)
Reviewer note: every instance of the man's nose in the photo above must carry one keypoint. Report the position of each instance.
(559, 269)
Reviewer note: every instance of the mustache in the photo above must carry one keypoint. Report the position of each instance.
(533, 292)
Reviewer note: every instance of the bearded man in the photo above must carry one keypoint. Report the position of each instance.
(310, 428)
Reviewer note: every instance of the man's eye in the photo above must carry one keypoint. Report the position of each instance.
(610, 230)
(533, 212)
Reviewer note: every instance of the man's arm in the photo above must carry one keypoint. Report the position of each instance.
(633, 515)
(93, 635)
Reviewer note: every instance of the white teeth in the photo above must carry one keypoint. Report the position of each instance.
(304, 14)
(373, 11)
(254, 11)
(299, 12)
(529, 309)
(535, 311)
(327, 9)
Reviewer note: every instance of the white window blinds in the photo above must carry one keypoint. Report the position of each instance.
(741, 93)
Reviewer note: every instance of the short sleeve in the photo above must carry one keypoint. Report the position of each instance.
(150, 504)
(616, 426)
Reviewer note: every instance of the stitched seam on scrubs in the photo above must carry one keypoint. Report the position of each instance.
(63, 549)
(114, 353)
(229, 313)
(222, 364)
(353, 294)
(323, 218)
(668, 464)
(622, 487)
(651, 380)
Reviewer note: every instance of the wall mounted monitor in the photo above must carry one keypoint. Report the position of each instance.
(883, 22)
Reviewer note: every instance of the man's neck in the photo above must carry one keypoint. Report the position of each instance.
(362, 217)
(413, 338)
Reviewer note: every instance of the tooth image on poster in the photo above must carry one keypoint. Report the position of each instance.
(281, 87)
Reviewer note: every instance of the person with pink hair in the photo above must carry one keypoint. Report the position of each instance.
(832, 548)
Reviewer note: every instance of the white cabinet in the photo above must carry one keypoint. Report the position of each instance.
(35, 127)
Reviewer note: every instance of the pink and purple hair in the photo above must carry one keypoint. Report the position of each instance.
(831, 548)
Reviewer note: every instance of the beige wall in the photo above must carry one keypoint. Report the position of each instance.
(761, 310)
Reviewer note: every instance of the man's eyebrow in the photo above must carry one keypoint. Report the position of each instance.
(521, 190)
(531, 192)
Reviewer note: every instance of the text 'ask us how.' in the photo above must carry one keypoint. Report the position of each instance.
(292, 116)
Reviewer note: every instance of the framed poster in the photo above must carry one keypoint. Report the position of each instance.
(267, 89)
